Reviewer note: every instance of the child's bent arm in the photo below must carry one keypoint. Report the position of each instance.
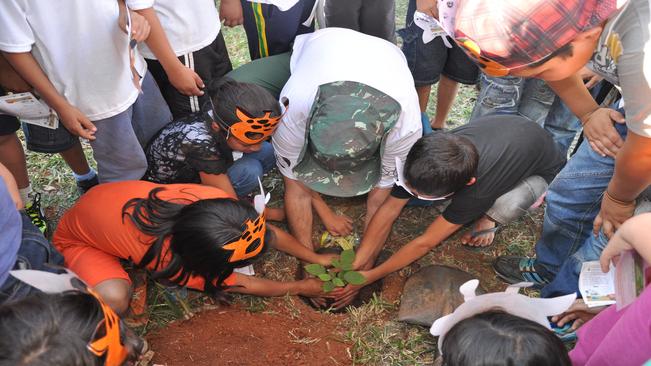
(438, 231)
(184, 79)
(220, 181)
(12, 187)
(288, 244)
(27, 67)
(263, 287)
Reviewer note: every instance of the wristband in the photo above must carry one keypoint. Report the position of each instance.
(619, 202)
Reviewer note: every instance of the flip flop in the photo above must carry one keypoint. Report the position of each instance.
(475, 234)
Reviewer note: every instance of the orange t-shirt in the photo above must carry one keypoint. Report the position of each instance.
(94, 229)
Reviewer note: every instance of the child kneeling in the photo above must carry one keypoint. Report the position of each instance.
(186, 234)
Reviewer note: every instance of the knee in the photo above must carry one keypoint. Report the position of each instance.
(244, 176)
(116, 294)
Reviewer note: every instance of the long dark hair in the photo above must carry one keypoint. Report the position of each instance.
(196, 232)
(54, 330)
(497, 338)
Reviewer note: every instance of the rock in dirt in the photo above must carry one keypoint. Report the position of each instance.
(431, 293)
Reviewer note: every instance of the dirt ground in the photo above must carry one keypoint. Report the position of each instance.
(286, 333)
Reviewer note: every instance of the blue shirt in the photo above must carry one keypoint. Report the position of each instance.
(11, 227)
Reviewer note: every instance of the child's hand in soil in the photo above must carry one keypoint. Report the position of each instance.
(326, 259)
(338, 225)
(579, 312)
(311, 287)
(345, 295)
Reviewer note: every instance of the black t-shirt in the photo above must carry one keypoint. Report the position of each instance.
(184, 148)
(511, 149)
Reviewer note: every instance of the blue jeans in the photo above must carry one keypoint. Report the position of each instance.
(531, 98)
(35, 252)
(573, 202)
(244, 173)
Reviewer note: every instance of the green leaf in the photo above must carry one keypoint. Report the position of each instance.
(354, 278)
(346, 266)
(328, 286)
(341, 274)
(325, 277)
(336, 263)
(347, 257)
(338, 282)
(315, 269)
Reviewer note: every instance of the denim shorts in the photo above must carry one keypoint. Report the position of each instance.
(427, 61)
(46, 140)
(35, 252)
(8, 125)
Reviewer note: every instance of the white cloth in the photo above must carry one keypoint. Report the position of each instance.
(80, 47)
(335, 54)
(190, 25)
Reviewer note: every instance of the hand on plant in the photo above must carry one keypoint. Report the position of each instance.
(338, 225)
(230, 11)
(345, 295)
(312, 287)
(186, 81)
(600, 132)
(326, 259)
(338, 277)
(76, 122)
(579, 312)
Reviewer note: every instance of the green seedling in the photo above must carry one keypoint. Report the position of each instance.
(340, 274)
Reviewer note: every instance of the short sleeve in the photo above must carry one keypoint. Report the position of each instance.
(202, 156)
(17, 35)
(289, 139)
(139, 4)
(634, 72)
(395, 148)
(465, 209)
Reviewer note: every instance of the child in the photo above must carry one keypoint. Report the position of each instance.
(433, 62)
(193, 30)
(493, 169)
(71, 328)
(39, 139)
(501, 328)
(22, 245)
(199, 148)
(497, 338)
(602, 339)
(186, 234)
(271, 25)
(373, 17)
(84, 66)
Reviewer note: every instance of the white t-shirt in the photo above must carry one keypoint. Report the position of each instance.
(336, 54)
(623, 57)
(190, 25)
(80, 47)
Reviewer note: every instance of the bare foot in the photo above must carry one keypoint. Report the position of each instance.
(275, 214)
(481, 234)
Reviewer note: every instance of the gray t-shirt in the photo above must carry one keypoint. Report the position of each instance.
(623, 57)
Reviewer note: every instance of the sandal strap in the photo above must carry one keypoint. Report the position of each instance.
(528, 271)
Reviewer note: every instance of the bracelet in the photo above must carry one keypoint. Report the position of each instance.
(619, 202)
